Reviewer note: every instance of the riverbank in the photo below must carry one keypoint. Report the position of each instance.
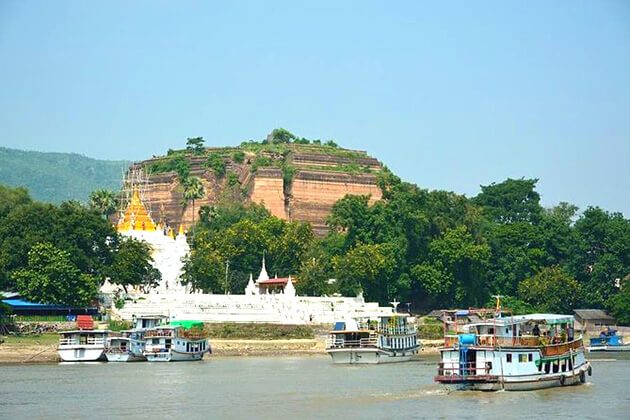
(43, 348)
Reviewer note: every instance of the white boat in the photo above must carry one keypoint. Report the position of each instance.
(82, 345)
(383, 339)
(178, 341)
(510, 353)
(120, 349)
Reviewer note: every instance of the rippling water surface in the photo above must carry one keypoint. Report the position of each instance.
(298, 387)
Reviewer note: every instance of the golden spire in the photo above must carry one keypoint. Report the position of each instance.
(136, 216)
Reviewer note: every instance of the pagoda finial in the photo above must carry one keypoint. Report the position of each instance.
(263, 271)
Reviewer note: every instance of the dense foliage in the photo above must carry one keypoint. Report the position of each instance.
(62, 254)
(431, 248)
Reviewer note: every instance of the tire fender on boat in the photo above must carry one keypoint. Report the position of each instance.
(562, 379)
(582, 377)
(590, 371)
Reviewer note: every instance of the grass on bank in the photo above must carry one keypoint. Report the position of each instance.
(259, 331)
(46, 339)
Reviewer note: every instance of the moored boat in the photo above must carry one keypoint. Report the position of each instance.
(510, 352)
(608, 340)
(84, 344)
(120, 349)
(383, 339)
(177, 341)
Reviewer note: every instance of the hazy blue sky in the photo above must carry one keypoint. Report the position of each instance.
(448, 94)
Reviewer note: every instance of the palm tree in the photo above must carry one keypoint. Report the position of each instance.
(103, 201)
(193, 190)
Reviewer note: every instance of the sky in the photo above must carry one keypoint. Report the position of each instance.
(448, 94)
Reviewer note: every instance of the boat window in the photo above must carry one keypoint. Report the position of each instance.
(547, 367)
(508, 358)
(564, 366)
(556, 366)
(530, 357)
(522, 358)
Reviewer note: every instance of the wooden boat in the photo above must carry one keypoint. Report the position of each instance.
(384, 339)
(510, 352)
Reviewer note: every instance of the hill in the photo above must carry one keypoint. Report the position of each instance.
(57, 177)
(295, 181)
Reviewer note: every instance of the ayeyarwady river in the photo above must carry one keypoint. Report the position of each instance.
(292, 387)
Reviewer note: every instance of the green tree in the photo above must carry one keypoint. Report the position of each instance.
(104, 202)
(368, 268)
(460, 266)
(84, 234)
(513, 200)
(195, 145)
(600, 254)
(51, 277)
(280, 135)
(193, 190)
(619, 303)
(550, 290)
(216, 162)
(11, 198)
(132, 266)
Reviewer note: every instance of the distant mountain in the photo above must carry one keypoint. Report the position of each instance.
(57, 177)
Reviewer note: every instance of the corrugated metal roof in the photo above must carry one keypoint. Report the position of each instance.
(591, 314)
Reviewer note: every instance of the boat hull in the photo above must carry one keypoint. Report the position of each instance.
(124, 357)
(625, 347)
(369, 356)
(81, 354)
(520, 383)
(174, 356)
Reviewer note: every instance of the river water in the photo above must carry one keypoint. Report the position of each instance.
(300, 387)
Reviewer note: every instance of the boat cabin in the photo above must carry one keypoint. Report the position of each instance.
(83, 338)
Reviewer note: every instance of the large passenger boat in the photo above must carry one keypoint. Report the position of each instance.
(84, 344)
(177, 341)
(384, 339)
(488, 351)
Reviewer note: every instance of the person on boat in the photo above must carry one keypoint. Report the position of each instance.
(570, 332)
(536, 331)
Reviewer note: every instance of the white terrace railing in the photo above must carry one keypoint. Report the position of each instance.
(74, 341)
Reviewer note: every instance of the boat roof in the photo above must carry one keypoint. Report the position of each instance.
(551, 319)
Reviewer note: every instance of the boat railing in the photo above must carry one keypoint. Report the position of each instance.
(561, 348)
(90, 341)
(159, 333)
(408, 329)
(193, 334)
(463, 369)
(488, 340)
(334, 343)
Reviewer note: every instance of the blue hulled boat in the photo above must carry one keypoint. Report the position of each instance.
(608, 340)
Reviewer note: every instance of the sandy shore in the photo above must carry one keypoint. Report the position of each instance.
(39, 353)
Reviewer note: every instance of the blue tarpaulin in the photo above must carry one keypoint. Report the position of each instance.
(24, 307)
